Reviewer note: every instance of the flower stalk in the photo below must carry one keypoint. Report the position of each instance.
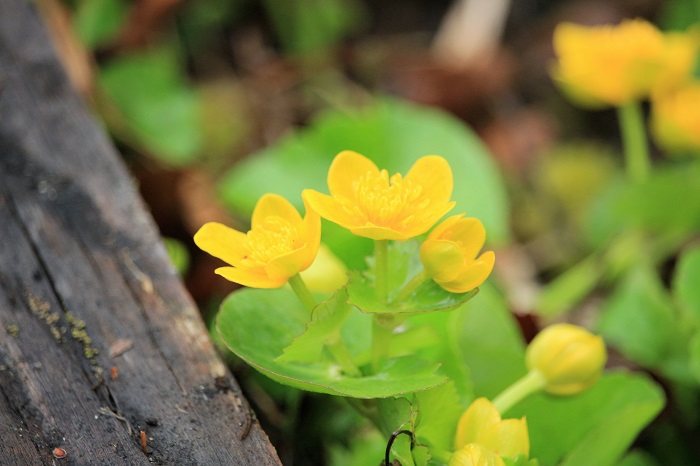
(302, 292)
(381, 269)
(410, 287)
(382, 328)
(634, 140)
(530, 383)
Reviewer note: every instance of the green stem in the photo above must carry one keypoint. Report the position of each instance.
(420, 278)
(634, 140)
(381, 269)
(302, 292)
(342, 356)
(382, 329)
(530, 383)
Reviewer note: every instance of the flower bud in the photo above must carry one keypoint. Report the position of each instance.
(569, 358)
(474, 454)
(449, 254)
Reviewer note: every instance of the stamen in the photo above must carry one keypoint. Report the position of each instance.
(275, 237)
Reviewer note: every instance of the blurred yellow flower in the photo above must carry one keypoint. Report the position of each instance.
(675, 118)
(327, 273)
(613, 65)
(481, 423)
(474, 454)
(680, 56)
(369, 203)
(449, 254)
(570, 359)
(279, 244)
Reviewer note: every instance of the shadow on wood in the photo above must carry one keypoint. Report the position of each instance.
(102, 352)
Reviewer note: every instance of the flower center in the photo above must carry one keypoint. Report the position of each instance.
(275, 237)
(383, 201)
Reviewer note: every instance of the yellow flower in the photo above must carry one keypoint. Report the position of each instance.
(680, 55)
(367, 202)
(449, 254)
(327, 273)
(569, 358)
(279, 244)
(474, 454)
(675, 118)
(608, 65)
(481, 423)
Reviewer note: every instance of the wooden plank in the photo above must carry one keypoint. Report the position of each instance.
(82, 271)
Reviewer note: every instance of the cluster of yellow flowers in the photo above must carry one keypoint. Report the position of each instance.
(632, 61)
(369, 203)
(563, 359)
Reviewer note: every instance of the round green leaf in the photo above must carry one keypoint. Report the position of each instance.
(258, 325)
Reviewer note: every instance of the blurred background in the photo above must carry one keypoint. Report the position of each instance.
(195, 93)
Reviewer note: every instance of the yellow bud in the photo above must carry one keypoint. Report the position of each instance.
(569, 358)
(449, 254)
(327, 273)
(474, 454)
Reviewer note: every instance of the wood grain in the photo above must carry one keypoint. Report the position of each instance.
(82, 269)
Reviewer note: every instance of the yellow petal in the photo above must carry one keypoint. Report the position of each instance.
(222, 242)
(254, 278)
(283, 267)
(377, 232)
(310, 233)
(473, 274)
(474, 454)
(443, 260)
(446, 225)
(480, 415)
(471, 235)
(507, 438)
(347, 167)
(328, 208)
(274, 205)
(425, 219)
(434, 174)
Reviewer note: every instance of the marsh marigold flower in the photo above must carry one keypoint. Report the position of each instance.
(369, 203)
(449, 254)
(481, 423)
(675, 118)
(569, 358)
(279, 244)
(474, 454)
(608, 65)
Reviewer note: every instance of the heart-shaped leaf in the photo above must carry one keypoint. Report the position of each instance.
(258, 325)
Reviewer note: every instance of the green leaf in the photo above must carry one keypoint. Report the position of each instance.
(404, 264)
(638, 458)
(307, 25)
(685, 283)
(326, 322)
(490, 343)
(639, 319)
(595, 427)
(258, 325)
(98, 22)
(439, 410)
(158, 111)
(569, 288)
(668, 203)
(394, 135)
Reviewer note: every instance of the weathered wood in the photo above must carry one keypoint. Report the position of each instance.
(82, 270)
